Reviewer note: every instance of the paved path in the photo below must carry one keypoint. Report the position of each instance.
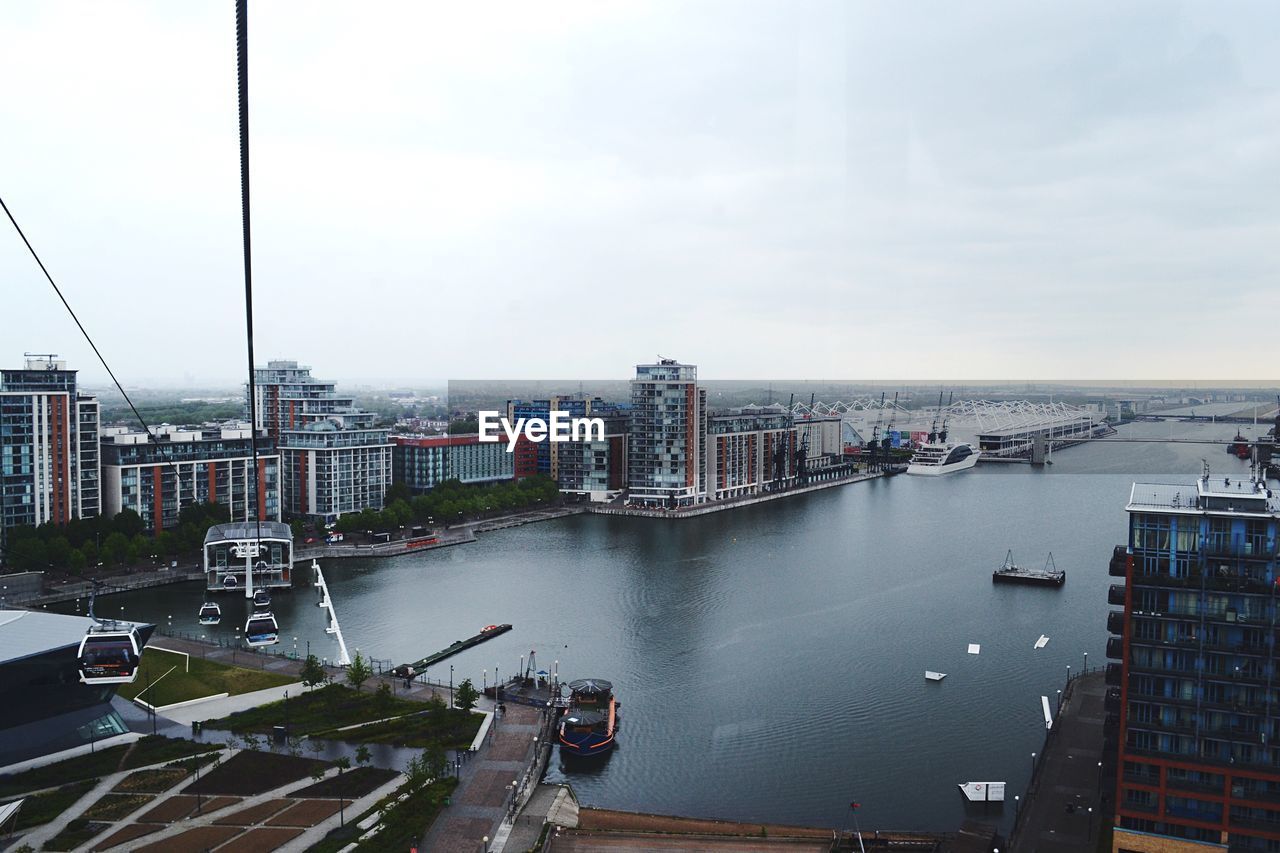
(1057, 816)
(483, 797)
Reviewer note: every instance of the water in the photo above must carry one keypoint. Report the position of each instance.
(770, 660)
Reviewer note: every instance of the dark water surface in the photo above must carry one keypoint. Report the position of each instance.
(770, 660)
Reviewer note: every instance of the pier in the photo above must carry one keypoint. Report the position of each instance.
(455, 647)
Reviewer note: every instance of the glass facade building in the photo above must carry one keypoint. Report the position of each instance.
(667, 434)
(424, 462)
(187, 465)
(1194, 695)
(49, 469)
(334, 460)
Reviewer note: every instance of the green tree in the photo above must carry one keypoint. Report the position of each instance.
(416, 773)
(114, 549)
(396, 492)
(312, 673)
(299, 529)
(167, 543)
(362, 754)
(358, 672)
(59, 551)
(128, 522)
(465, 697)
(77, 563)
(90, 552)
(382, 696)
(434, 760)
(29, 555)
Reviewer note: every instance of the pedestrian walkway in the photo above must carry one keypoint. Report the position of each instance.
(485, 793)
(1063, 808)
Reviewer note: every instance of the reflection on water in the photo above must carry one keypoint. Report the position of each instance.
(771, 659)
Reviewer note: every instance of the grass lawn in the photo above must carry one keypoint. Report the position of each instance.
(450, 727)
(316, 711)
(247, 773)
(151, 781)
(152, 749)
(405, 823)
(113, 807)
(42, 808)
(75, 834)
(351, 785)
(204, 678)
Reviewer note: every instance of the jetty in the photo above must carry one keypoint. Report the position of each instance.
(1010, 572)
(456, 646)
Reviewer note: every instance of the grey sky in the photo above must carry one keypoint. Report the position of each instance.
(809, 190)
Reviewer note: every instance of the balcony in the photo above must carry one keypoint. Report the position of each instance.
(1119, 562)
(1115, 622)
(1115, 594)
(1115, 648)
(1112, 700)
(1115, 672)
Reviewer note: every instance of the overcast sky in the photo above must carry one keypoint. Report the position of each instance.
(766, 189)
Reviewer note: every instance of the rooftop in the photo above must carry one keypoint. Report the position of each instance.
(247, 530)
(1205, 495)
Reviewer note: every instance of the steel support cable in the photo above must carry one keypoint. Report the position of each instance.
(163, 449)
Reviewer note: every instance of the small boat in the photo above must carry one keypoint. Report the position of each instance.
(1239, 446)
(590, 725)
(934, 676)
(210, 613)
(983, 792)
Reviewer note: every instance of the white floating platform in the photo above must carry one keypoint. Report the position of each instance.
(983, 792)
(934, 676)
(1048, 718)
(1042, 642)
(974, 648)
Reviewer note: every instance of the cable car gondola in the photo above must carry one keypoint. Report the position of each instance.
(261, 629)
(210, 613)
(261, 599)
(109, 654)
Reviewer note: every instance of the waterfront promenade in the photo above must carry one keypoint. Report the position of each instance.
(1063, 812)
(731, 503)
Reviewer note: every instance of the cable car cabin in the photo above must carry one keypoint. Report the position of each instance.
(261, 598)
(210, 613)
(261, 629)
(109, 655)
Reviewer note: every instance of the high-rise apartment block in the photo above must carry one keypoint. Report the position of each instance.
(668, 432)
(157, 477)
(1195, 695)
(333, 459)
(49, 469)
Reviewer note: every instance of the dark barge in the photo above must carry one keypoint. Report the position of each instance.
(1010, 572)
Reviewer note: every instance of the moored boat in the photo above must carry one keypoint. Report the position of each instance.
(590, 725)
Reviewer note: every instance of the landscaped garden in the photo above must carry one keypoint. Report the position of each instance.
(42, 808)
(149, 750)
(247, 773)
(326, 712)
(165, 678)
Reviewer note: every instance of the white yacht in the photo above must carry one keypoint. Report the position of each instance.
(937, 456)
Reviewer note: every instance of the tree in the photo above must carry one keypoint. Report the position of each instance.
(76, 563)
(362, 754)
(90, 552)
(416, 773)
(313, 673)
(128, 523)
(358, 672)
(434, 760)
(396, 492)
(342, 764)
(167, 543)
(59, 551)
(299, 530)
(114, 549)
(382, 697)
(465, 697)
(29, 555)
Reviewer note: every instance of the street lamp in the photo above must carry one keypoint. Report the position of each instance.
(1033, 764)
